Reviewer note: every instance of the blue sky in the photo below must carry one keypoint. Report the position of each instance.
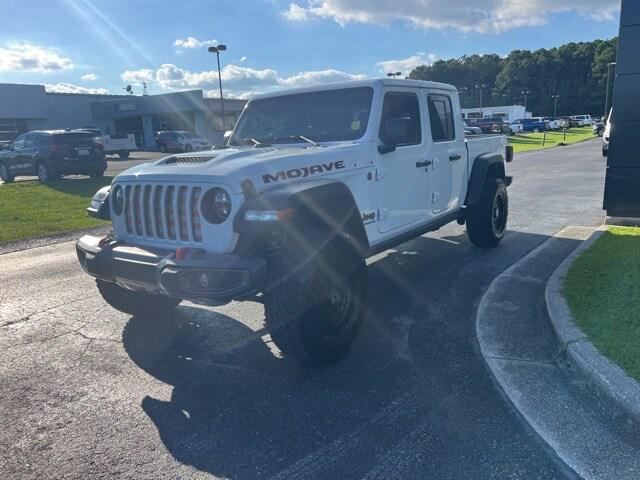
(103, 45)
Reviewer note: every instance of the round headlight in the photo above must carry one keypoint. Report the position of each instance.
(118, 200)
(216, 205)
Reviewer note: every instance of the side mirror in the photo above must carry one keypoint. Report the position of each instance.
(395, 131)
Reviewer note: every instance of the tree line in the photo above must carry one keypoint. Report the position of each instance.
(574, 74)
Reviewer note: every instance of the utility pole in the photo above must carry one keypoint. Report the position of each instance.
(606, 95)
(481, 87)
(555, 104)
(525, 93)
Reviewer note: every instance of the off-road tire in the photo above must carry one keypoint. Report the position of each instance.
(138, 304)
(316, 295)
(5, 176)
(487, 221)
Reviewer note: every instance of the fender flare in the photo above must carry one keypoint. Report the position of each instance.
(482, 166)
(320, 201)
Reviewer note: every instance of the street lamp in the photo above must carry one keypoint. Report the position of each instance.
(555, 104)
(481, 87)
(525, 93)
(394, 74)
(606, 96)
(217, 50)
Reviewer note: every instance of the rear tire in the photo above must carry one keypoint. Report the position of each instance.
(487, 221)
(97, 174)
(135, 303)
(5, 176)
(44, 175)
(314, 306)
(123, 155)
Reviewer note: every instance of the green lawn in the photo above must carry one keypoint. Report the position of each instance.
(533, 141)
(31, 209)
(602, 289)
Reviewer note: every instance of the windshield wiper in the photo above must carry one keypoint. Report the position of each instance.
(303, 138)
(256, 143)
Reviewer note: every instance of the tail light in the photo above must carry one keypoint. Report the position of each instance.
(99, 146)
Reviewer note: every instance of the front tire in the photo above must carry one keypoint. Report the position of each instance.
(135, 303)
(315, 302)
(487, 221)
(5, 176)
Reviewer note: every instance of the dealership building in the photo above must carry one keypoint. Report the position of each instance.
(508, 113)
(31, 107)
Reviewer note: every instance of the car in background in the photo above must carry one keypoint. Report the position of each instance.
(534, 125)
(118, 144)
(470, 129)
(180, 141)
(583, 120)
(50, 154)
(606, 134)
(570, 122)
(555, 123)
(491, 125)
(515, 127)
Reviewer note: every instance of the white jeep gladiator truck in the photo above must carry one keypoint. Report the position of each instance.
(311, 183)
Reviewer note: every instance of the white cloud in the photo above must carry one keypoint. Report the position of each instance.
(89, 77)
(136, 77)
(71, 88)
(243, 58)
(405, 65)
(465, 15)
(28, 57)
(192, 42)
(238, 81)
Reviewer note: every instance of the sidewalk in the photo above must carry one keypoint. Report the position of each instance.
(587, 431)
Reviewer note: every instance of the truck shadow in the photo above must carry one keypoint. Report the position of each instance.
(239, 410)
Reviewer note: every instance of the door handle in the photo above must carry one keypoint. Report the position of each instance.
(423, 164)
(454, 157)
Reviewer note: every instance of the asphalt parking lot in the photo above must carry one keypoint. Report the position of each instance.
(88, 392)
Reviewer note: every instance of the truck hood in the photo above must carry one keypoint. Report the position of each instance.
(265, 167)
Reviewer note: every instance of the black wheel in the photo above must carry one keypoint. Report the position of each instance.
(314, 305)
(123, 155)
(163, 148)
(97, 174)
(487, 221)
(188, 148)
(44, 175)
(5, 176)
(135, 303)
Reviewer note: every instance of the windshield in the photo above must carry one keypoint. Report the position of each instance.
(189, 135)
(333, 115)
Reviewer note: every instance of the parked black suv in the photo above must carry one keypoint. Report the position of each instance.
(49, 154)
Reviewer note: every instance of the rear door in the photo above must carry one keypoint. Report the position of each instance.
(448, 153)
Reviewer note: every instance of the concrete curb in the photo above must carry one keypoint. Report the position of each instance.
(607, 377)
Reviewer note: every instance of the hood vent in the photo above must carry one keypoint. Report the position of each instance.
(190, 159)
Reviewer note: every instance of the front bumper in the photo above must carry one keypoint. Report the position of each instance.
(198, 276)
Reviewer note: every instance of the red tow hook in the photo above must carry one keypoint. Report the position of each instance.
(105, 242)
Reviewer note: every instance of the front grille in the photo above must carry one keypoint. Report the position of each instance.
(167, 212)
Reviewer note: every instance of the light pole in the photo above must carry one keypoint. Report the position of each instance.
(481, 87)
(606, 96)
(217, 50)
(555, 104)
(525, 93)
(394, 74)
